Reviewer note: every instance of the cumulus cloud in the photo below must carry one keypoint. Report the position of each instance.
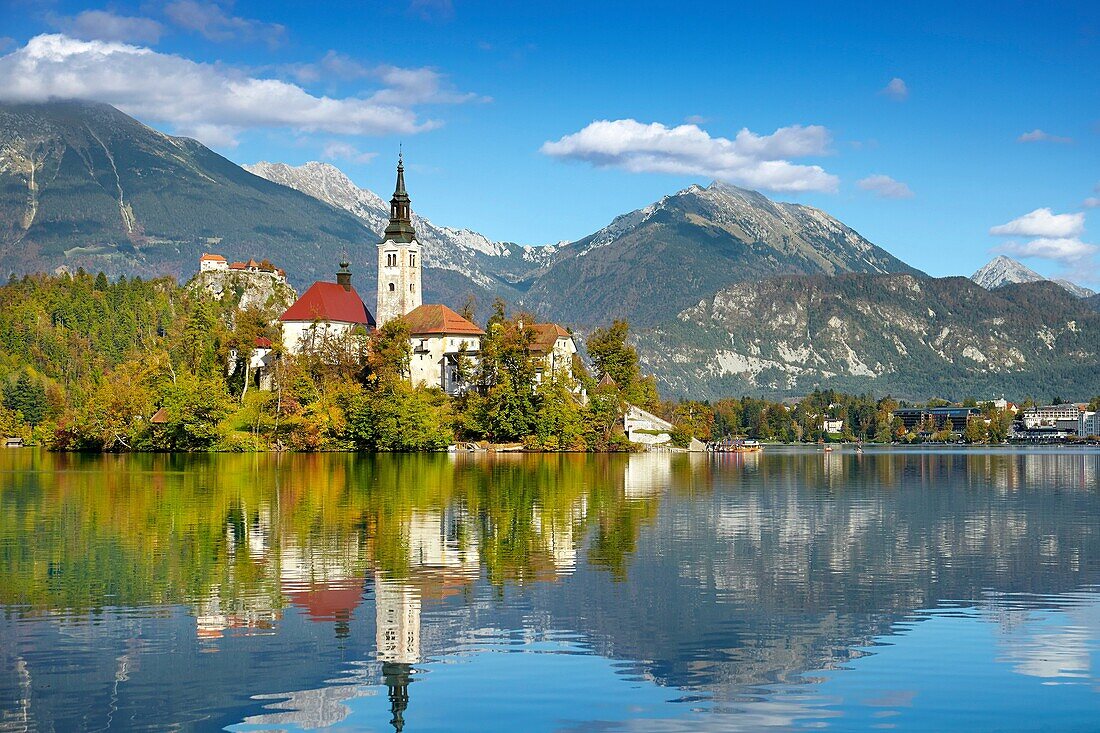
(885, 187)
(212, 102)
(106, 26)
(1067, 250)
(1041, 136)
(340, 150)
(758, 161)
(212, 22)
(1042, 223)
(896, 89)
(401, 86)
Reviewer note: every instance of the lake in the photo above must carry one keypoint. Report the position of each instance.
(907, 590)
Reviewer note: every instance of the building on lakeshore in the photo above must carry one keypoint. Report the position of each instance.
(1088, 423)
(326, 312)
(829, 425)
(555, 349)
(1061, 417)
(444, 348)
(938, 417)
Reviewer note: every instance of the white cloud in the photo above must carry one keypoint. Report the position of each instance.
(758, 161)
(213, 102)
(1091, 202)
(339, 150)
(885, 187)
(896, 89)
(1067, 250)
(696, 120)
(402, 86)
(1043, 223)
(212, 22)
(106, 26)
(1039, 136)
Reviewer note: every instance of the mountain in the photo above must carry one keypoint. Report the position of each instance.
(652, 263)
(1003, 270)
(1074, 289)
(898, 334)
(84, 185)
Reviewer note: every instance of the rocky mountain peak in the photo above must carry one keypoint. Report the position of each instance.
(1002, 270)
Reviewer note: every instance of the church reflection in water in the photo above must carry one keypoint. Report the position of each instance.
(335, 578)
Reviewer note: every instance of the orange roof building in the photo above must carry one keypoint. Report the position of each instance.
(435, 319)
(444, 348)
(556, 347)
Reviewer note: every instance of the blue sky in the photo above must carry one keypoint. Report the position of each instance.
(922, 127)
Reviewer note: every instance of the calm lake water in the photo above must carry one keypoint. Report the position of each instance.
(904, 590)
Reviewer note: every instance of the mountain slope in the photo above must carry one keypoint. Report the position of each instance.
(1003, 270)
(84, 185)
(651, 263)
(912, 337)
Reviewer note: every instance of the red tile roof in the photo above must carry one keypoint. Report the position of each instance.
(546, 335)
(263, 343)
(438, 319)
(207, 257)
(329, 302)
(237, 266)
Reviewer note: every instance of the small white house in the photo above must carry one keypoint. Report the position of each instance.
(444, 347)
(829, 425)
(212, 263)
(555, 346)
(645, 427)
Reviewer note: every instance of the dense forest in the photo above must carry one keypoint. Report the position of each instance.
(86, 364)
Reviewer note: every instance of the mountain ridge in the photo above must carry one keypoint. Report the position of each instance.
(1003, 270)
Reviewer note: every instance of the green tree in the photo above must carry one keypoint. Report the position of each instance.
(26, 396)
(612, 355)
(400, 418)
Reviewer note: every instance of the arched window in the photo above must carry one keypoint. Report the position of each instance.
(411, 287)
(391, 259)
(412, 259)
(391, 287)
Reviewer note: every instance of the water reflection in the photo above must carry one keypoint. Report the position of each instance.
(267, 592)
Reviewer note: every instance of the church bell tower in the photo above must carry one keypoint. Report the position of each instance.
(399, 258)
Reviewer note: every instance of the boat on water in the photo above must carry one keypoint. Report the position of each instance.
(734, 445)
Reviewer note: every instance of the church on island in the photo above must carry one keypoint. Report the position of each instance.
(439, 337)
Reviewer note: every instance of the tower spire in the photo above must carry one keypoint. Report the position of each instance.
(400, 228)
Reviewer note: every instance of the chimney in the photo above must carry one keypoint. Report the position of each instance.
(343, 277)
